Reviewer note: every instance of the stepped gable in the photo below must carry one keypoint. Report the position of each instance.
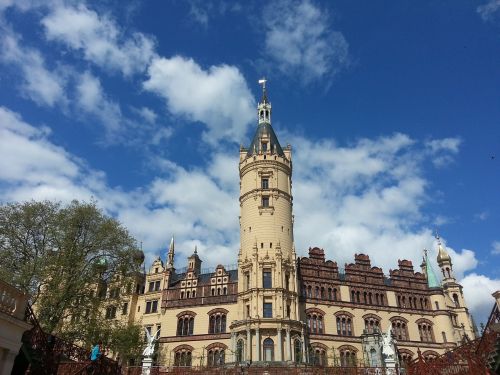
(361, 271)
(316, 266)
(406, 277)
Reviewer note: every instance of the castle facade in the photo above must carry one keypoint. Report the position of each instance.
(277, 307)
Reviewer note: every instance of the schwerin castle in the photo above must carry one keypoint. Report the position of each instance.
(277, 307)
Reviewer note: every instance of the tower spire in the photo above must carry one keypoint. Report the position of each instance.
(432, 280)
(170, 255)
(262, 82)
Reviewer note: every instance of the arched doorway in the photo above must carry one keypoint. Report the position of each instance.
(268, 348)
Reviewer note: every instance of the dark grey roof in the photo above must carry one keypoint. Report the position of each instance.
(255, 146)
(204, 278)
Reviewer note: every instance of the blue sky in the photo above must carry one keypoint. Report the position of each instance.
(392, 112)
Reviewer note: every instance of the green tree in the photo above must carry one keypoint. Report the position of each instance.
(74, 261)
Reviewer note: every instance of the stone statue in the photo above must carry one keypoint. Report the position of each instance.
(388, 350)
(150, 344)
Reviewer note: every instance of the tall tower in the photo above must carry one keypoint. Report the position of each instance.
(461, 318)
(268, 315)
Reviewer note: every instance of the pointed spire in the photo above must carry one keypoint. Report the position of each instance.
(171, 253)
(432, 280)
(196, 249)
(262, 82)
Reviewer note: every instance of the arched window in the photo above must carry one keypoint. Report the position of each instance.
(322, 293)
(334, 294)
(425, 330)
(455, 299)
(183, 356)
(400, 329)
(347, 356)
(330, 294)
(448, 272)
(185, 323)
(405, 356)
(372, 323)
(297, 348)
(217, 321)
(309, 291)
(239, 350)
(216, 354)
(344, 324)
(315, 320)
(318, 354)
(268, 348)
(317, 292)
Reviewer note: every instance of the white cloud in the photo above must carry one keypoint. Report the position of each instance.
(40, 84)
(218, 97)
(300, 40)
(99, 38)
(477, 292)
(147, 114)
(495, 248)
(487, 11)
(91, 98)
(443, 150)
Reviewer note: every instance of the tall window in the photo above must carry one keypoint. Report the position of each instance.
(264, 183)
(267, 281)
(110, 312)
(265, 201)
(268, 310)
(318, 356)
(152, 306)
(399, 329)
(216, 357)
(372, 324)
(347, 357)
(217, 323)
(268, 350)
(297, 348)
(425, 330)
(315, 322)
(183, 358)
(125, 308)
(239, 351)
(247, 280)
(344, 325)
(185, 325)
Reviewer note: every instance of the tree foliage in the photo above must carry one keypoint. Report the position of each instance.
(68, 258)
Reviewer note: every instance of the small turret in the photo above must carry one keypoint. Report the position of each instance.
(194, 262)
(444, 261)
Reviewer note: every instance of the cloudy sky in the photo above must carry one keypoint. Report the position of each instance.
(392, 112)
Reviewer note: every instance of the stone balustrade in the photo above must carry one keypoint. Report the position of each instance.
(12, 301)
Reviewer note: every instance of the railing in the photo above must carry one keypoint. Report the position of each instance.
(52, 349)
(12, 301)
(229, 298)
(263, 370)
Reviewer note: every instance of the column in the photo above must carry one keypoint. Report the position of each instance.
(280, 346)
(257, 344)
(304, 358)
(288, 345)
(233, 345)
(8, 361)
(249, 346)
